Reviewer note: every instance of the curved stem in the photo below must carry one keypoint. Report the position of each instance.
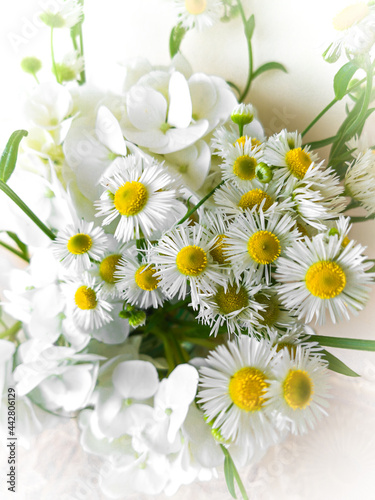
(250, 52)
(13, 250)
(53, 59)
(199, 204)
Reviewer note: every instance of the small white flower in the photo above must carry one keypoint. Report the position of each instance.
(317, 275)
(256, 240)
(75, 245)
(67, 15)
(300, 390)
(225, 137)
(198, 14)
(233, 384)
(273, 314)
(137, 281)
(360, 180)
(86, 305)
(141, 194)
(183, 256)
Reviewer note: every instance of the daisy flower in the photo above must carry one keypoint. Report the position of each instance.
(300, 390)
(256, 240)
(360, 180)
(233, 385)
(296, 335)
(225, 137)
(340, 228)
(137, 281)
(317, 275)
(75, 245)
(284, 151)
(183, 256)
(68, 15)
(356, 27)
(106, 272)
(272, 314)
(216, 227)
(240, 163)
(232, 305)
(198, 14)
(141, 194)
(85, 303)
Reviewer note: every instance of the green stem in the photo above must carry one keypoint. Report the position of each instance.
(53, 59)
(36, 78)
(362, 219)
(83, 72)
(345, 343)
(329, 106)
(199, 204)
(250, 52)
(16, 252)
(12, 331)
(14, 197)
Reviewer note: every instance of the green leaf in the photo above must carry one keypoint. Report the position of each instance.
(320, 144)
(269, 66)
(249, 27)
(177, 35)
(229, 472)
(342, 79)
(338, 366)
(18, 242)
(9, 157)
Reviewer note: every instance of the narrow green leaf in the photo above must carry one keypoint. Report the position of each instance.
(9, 157)
(321, 144)
(342, 79)
(269, 66)
(229, 471)
(234, 86)
(338, 366)
(21, 245)
(177, 35)
(346, 343)
(249, 27)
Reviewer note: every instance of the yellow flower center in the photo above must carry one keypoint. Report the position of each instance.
(217, 253)
(298, 162)
(233, 299)
(195, 7)
(298, 389)
(351, 15)
(191, 260)
(79, 244)
(107, 268)
(253, 198)
(85, 298)
(264, 247)
(242, 140)
(244, 167)
(271, 313)
(247, 388)
(145, 278)
(325, 279)
(131, 198)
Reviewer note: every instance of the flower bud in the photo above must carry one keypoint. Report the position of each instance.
(243, 114)
(31, 65)
(263, 173)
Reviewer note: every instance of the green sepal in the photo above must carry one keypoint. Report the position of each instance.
(21, 245)
(268, 67)
(229, 472)
(249, 27)
(9, 157)
(342, 79)
(336, 365)
(177, 35)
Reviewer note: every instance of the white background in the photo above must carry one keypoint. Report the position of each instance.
(337, 461)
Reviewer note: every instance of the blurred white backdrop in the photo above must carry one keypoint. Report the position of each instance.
(338, 460)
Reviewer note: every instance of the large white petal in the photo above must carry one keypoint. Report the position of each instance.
(147, 108)
(109, 132)
(135, 379)
(180, 107)
(180, 138)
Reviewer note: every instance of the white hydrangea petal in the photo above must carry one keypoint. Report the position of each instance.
(182, 138)
(180, 106)
(147, 108)
(135, 379)
(109, 132)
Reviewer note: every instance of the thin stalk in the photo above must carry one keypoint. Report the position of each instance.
(361, 219)
(14, 197)
(250, 53)
(53, 59)
(36, 78)
(345, 343)
(329, 106)
(200, 203)
(16, 252)
(83, 72)
(12, 331)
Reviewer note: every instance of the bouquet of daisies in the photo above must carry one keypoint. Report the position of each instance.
(175, 257)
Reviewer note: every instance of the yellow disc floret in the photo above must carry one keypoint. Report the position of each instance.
(232, 299)
(107, 268)
(325, 279)
(191, 260)
(146, 279)
(298, 162)
(254, 198)
(79, 244)
(264, 247)
(247, 388)
(351, 15)
(244, 167)
(242, 140)
(85, 298)
(217, 253)
(298, 389)
(130, 198)
(196, 7)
